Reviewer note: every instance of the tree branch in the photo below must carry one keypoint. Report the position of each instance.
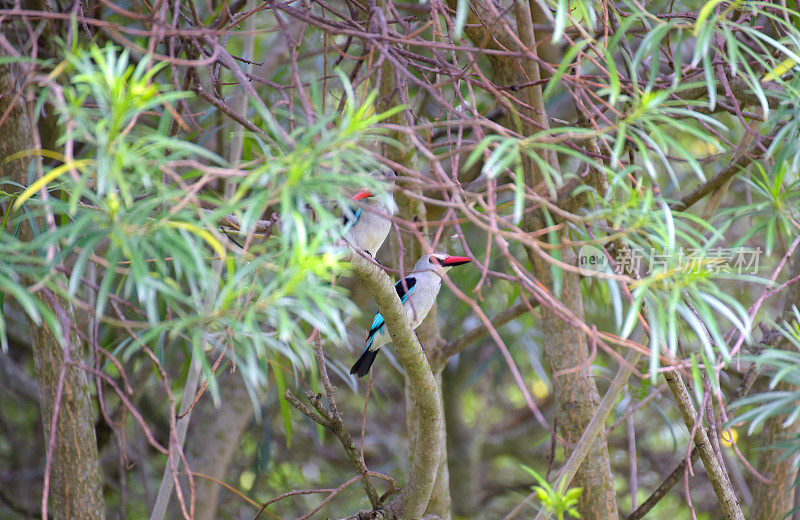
(662, 490)
(716, 473)
(715, 182)
(421, 384)
(176, 444)
(332, 421)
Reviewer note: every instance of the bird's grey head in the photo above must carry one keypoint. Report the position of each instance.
(385, 201)
(387, 174)
(439, 262)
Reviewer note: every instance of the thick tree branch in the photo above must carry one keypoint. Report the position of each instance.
(679, 471)
(715, 182)
(741, 91)
(422, 387)
(716, 473)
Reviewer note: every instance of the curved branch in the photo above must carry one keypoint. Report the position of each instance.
(421, 383)
(331, 419)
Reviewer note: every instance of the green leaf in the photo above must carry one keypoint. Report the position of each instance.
(697, 379)
(613, 77)
(616, 302)
(619, 143)
(704, 13)
(633, 314)
(47, 178)
(711, 82)
(655, 341)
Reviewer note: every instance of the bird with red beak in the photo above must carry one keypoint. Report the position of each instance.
(418, 292)
(367, 226)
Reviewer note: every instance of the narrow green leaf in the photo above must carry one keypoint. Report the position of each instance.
(613, 77)
(704, 13)
(655, 349)
(697, 379)
(633, 315)
(711, 82)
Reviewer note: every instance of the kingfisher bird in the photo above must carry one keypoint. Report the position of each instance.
(366, 228)
(418, 293)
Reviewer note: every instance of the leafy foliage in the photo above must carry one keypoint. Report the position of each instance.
(783, 367)
(123, 205)
(557, 501)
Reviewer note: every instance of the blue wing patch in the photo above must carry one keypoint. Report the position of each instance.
(377, 324)
(403, 290)
(347, 221)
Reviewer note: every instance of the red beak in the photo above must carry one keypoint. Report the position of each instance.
(455, 260)
(363, 194)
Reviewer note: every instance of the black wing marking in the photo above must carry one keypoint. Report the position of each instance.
(402, 293)
(404, 287)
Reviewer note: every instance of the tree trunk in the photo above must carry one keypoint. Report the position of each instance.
(75, 487)
(75, 484)
(576, 400)
(463, 445)
(774, 500)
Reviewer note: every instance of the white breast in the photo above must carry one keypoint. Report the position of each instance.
(370, 230)
(421, 300)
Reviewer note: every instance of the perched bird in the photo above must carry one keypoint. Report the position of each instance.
(418, 293)
(367, 228)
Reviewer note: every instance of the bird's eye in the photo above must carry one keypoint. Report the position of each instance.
(433, 260)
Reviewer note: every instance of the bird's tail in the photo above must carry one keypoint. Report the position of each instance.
(364, 363)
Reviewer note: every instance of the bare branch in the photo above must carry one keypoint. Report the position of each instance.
(716, 473)
(331, 419)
